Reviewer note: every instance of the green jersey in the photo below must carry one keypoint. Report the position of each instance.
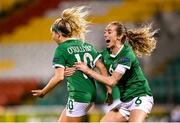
(133, 82)
(102, 92)
(81, 88)
(102, 88)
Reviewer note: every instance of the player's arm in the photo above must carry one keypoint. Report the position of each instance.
(57, 78)
(108, 80)
(103, 71)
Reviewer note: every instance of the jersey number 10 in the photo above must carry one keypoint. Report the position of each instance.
(86, 56)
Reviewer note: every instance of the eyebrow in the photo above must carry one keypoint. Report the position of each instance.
(109, 30)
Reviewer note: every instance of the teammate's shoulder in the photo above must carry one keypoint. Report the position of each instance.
(126, 49)
(61, 48)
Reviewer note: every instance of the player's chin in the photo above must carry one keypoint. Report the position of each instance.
(108, 45)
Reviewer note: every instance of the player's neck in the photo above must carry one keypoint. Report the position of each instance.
(64, 39)
(115, 49)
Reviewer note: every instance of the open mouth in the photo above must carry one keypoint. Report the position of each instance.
(107, 41)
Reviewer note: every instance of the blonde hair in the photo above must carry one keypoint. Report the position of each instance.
(142, 39)
(72, 22)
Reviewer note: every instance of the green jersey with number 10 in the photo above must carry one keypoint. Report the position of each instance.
(81, 88)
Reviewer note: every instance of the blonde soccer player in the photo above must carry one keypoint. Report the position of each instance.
(66, 32)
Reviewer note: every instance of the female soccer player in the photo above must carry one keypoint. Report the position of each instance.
(120, 58)
(81, 88)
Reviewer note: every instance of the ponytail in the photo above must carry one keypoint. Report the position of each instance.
(142, 40)
(72, 22)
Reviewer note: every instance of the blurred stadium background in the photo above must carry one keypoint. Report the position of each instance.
(26, 52)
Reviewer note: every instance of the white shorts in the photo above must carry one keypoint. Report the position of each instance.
(77, 109)
(107, 108)
(144, 103)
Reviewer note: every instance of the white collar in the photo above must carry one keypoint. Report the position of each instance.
(112, 55)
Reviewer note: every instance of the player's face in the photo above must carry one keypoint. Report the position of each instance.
(110, 36)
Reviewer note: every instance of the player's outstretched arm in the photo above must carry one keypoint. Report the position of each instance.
(57, 78)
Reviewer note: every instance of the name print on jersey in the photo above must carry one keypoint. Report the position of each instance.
(78, 49)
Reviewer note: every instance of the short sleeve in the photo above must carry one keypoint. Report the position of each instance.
(59, 59)
(96, 55)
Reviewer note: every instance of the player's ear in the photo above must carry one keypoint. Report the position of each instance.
(59, 36)
(119, 37)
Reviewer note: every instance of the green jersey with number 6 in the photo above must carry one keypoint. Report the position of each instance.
(81, 88)
(133, 82)
(101, 88)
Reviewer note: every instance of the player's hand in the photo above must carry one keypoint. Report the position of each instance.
(81, 66)
(109, 99)
(69, 71)
(38, 93)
